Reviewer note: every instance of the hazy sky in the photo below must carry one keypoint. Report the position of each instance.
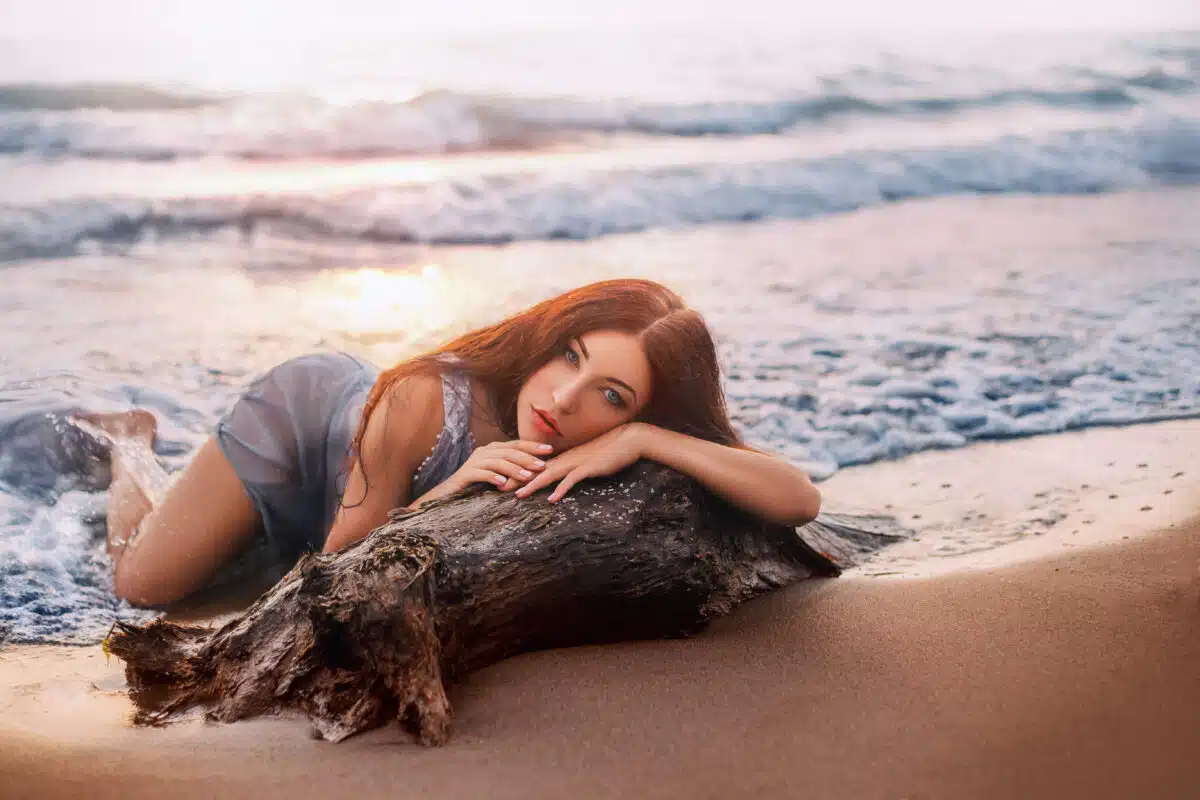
(267, 19)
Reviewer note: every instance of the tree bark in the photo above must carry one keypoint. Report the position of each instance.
(377, 631)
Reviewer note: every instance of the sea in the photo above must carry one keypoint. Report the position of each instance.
(901, 241)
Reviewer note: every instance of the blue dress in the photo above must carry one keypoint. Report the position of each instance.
(288, 438)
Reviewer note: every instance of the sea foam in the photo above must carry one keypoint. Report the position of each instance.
(577, 203)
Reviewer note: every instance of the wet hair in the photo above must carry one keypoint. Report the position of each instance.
(685, 395)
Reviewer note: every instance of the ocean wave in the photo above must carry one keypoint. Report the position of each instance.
(129, 122)
(494, 209)
(106, 96)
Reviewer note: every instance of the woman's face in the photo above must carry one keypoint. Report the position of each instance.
(599, 381)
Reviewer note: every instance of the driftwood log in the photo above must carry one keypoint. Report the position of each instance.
(376, 632)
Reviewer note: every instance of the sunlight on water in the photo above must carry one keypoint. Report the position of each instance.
(327, 176)
(374, 299)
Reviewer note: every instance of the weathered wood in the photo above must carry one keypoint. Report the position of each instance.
(377, 631)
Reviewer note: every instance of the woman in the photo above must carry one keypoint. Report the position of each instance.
(321, 448)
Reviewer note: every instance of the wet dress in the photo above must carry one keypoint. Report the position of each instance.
(288, 437)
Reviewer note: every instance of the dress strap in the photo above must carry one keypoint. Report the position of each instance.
(456, 404)
(455, 443)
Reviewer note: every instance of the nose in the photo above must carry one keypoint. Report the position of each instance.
(566, 396)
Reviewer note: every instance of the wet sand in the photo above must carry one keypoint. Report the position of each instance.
(1056, 665)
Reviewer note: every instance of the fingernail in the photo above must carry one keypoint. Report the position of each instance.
(500, 479)
(537, 462)
(545, 448)
(526, 473)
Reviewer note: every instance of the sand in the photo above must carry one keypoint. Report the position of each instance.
(1062, 662)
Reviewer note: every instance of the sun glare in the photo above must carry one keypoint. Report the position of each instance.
(374, 300)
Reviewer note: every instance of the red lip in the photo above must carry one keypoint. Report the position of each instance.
(547, 418)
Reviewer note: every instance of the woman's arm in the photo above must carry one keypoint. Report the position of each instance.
(762, 484)
(758, 483)
(400, 433)
(401, 430)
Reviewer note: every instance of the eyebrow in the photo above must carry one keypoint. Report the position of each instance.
(623, 384)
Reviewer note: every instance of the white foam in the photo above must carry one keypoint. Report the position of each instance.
(55, 581)
(562, 203)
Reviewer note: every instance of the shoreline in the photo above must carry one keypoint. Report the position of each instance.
(997, 503)
(1070, 670)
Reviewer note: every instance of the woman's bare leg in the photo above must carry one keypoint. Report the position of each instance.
(167, 538)
(137, 477)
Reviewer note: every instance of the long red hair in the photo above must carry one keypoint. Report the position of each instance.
(685, 396)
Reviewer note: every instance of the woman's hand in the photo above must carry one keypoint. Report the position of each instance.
(604, 455)
(505, 465)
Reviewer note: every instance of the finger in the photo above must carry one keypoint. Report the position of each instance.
(534, 485)
(522, 459)
(502, 466)
(552, 473)
(533, 448)
(485, 475)
(564, 486)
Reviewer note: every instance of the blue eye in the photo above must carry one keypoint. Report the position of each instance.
(614, 397)
(571, 355)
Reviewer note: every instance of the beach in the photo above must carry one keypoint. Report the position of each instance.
(1069, 671)
(954, 278)
(1038, 636)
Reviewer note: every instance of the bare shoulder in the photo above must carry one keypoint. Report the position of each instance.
(400, 431)
(416, 392)
(404, 425)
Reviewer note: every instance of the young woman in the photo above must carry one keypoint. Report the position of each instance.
(317, 451)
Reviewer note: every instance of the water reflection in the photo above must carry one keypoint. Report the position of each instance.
(390, 312)
(375, 299)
